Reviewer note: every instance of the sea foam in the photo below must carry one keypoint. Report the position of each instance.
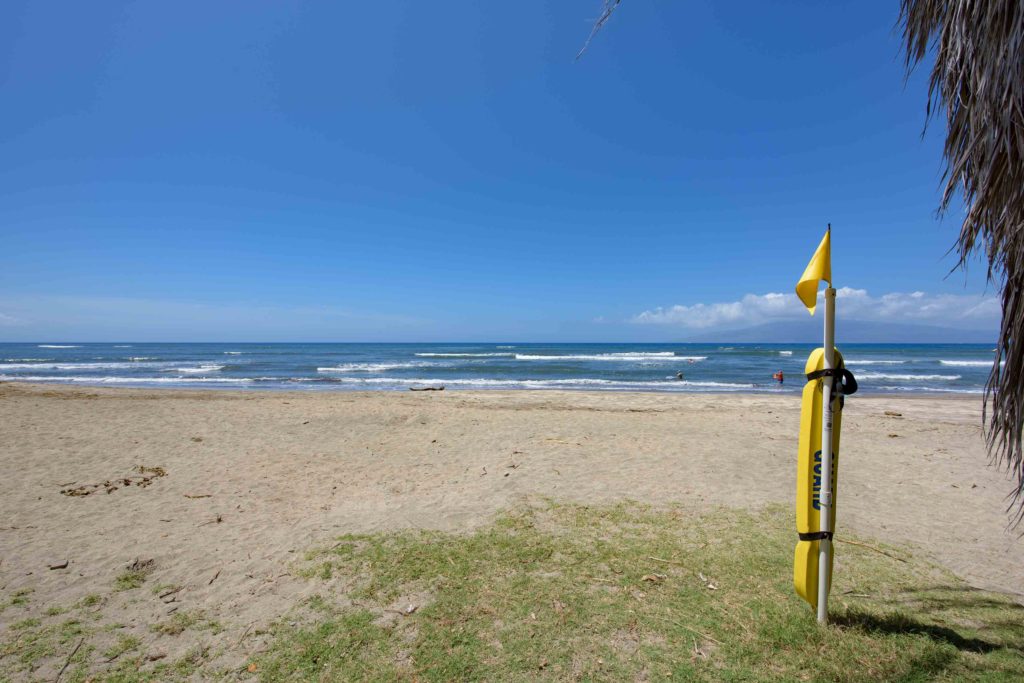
(589, 382)
(968, 363)
(464, 355)
(908, 378)
(197, 369)
(871, 361)
(658, 357)
(940, 390)
(375, 367)
(77, 366)
(134, 380)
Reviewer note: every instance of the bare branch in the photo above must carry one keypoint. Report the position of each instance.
(606, 14)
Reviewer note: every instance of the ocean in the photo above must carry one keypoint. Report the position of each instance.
(880, 368)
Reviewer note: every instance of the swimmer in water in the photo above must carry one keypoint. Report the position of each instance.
(679, 375)
(778, 377)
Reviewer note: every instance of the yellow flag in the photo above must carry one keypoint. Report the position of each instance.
(820, 268)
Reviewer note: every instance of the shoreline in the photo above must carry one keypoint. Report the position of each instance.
(277, 391)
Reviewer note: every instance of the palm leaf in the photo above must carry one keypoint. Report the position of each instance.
(977, 86)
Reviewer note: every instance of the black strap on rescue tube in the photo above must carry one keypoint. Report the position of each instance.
(846, 384)
(816, 536)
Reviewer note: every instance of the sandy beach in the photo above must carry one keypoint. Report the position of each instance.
(235, 486)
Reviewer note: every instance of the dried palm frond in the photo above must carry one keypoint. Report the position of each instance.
(977, 83)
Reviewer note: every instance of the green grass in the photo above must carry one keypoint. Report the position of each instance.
(183, 621)
(617, 594)
(130, 579)
(565, 593)
(123, 645)
(138, 670)
(90, 600)
(20, 598)
(30, 641)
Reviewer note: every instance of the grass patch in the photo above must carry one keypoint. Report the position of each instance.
(19, 598)
(30, 641)
(130, 579)
(183, 621)
(137, 670)
(90, 600)
(124, 644)
(630, 593)
(94, 652)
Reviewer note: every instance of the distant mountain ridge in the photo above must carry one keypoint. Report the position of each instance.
(849, 331)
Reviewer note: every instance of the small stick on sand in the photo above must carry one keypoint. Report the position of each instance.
(247, 629)
(67, 663)
(217, 520)
(871, 547)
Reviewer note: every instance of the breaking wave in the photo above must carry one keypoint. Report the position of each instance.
(136, 380)
(197, 369)
(968, 363)
(464, 355)
(909, 378)
(940, 390)
(871, 361)
(659, 357)
(78, 366)
(664, 385)
(375, 367)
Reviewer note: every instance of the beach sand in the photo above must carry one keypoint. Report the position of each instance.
(253, 480)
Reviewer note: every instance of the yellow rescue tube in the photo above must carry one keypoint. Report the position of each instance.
(808, 479)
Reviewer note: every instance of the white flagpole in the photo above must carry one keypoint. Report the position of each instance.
(825, 495)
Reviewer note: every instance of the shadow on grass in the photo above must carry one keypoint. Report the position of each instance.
(899, 624)
(941, 597)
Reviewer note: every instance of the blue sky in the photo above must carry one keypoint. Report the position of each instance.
(409, 171)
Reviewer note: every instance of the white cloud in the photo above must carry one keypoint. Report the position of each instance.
(9, 320)
(946, 310)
